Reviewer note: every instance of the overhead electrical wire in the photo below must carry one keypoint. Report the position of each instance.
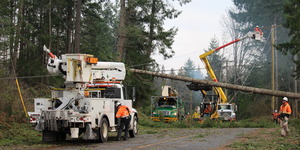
(28, 77)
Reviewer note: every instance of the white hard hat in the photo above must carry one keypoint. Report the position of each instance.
(285, 99)
(276, 111)
(118, 104)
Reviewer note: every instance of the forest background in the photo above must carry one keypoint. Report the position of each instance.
(131, 31)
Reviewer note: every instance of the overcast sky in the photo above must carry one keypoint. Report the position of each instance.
(198, 23)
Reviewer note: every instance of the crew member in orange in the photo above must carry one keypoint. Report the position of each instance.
(275, 116)
(285, 112)
(207, 111)
(257, 29)
(124, 114)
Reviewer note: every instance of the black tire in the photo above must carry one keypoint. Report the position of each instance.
(60, 136)
(103, 131)
(133, 132)
(49, 136)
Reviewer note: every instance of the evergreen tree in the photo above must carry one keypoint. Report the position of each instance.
(144, 35)
(263, 14)
(292, 13)
(216, 59)
(189, 68)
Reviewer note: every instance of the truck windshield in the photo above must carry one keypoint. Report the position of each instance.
(224, 107)
(105, 93)
(167, 102)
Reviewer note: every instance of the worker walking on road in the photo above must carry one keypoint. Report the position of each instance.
(124, 114)
(285, 112)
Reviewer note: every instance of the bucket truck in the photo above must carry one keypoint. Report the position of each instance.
(86, 105)
(219, 106)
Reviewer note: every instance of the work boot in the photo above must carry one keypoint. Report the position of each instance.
(118, 138)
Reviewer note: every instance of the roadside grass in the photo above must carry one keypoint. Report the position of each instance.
(14, 134)
(270, 138)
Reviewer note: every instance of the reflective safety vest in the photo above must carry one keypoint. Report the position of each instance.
(123, 111)
(207, 110)
(196, 115)
(286, 109)
(275, 115)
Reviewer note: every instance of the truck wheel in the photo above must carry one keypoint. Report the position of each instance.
(103, 131)
(61, 136)
(133, 132)
(49, 136)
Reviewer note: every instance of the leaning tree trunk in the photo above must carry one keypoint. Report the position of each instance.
(121, 34)
(223, 85)
(77, 27)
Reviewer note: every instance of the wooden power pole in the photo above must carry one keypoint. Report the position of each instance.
(273, 66)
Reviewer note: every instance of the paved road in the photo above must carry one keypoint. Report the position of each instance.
(183, 139)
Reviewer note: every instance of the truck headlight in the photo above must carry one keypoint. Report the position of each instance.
(154, 113)
(175, 114)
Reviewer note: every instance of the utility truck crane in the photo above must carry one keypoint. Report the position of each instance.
(86, 105)
(220, 108)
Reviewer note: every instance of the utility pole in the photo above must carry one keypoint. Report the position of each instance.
(273, 66)
(276, 66)
(191, 101)
(226, 76)
(121, 34)
(296, 87)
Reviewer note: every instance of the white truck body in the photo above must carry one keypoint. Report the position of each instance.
(86, 106)
(226, 111)
(39, 105)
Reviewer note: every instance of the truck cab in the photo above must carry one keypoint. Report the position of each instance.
(227, 111)
(168, 107)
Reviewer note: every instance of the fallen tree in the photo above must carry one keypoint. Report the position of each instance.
(220, 84)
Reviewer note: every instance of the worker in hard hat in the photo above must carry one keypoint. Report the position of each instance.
(258, 34)
(275, 116)
(123, 113)
(207, 111)
(285, 112)
(196, 114)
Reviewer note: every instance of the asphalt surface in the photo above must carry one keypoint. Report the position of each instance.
(183, 139)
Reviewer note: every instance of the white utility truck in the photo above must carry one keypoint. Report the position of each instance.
(86, 105)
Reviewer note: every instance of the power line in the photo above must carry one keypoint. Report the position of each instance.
(29, 77)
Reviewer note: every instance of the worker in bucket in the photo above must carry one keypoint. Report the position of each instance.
(124, 114)
(285, 112)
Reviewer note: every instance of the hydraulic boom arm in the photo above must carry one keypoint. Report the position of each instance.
(257, 35)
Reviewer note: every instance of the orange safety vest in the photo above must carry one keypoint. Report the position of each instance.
(286, 109)
(123, 111)
(207, 110)
(275, 115)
